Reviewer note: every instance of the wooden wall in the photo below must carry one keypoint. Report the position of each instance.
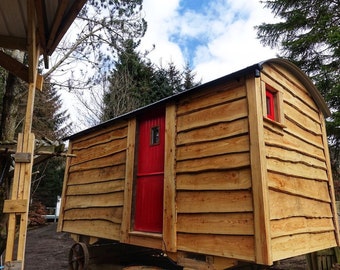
(213, 178)
(299, 180)
(94, 184)
(236, 185)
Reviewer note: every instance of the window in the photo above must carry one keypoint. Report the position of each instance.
(154, 140)
(270, 104)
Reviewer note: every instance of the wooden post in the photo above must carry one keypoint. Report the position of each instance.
(129, 177)
(18, 205)
(330, 180)
(169, 219)
(19, 202)
(259, 173)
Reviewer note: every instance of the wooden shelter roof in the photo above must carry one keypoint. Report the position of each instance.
(53, 18)
(36, 27)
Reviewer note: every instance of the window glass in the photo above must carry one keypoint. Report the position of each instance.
(154, 135)
(270, 104)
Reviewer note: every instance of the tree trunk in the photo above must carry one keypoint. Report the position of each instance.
(10, 108)
(11, 100)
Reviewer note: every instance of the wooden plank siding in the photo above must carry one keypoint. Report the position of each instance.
(301, 217)
(94, 191)
(238, 185)
(213, 179)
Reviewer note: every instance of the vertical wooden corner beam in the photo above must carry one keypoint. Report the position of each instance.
(63, 193)
(263, 254)
(33, 53)
(24, 193)
(169, 216)
(129, 178)
(20, 191)
(33, 60)
(330, 179)
(12, 217)
(23, 170)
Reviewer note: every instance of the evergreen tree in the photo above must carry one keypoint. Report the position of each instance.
(160, 85)
(48, 182)
(136, 82)
(308, 34)
(49, 119)
(129, 82)
(49, 122)
(189, 80)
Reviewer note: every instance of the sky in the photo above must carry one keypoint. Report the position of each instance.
(216, 37)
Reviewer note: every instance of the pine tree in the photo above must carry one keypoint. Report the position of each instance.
(308, 34)
(136, 82)
(129, 82)
(49, 118)
(52, 123)
(48, 182)
(189, 78)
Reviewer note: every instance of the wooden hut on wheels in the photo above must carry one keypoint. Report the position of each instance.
(234, 170)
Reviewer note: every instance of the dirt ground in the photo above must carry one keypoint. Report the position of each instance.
(297, 263)
(47, 249)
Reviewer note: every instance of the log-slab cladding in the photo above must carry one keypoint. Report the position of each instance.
(246, 174)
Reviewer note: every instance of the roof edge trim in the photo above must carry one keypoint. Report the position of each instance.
(253, 69)
(305, 80)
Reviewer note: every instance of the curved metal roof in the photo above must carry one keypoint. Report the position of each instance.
(305, 80)
(253, 69)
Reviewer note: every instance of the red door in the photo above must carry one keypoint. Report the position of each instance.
(150, 173)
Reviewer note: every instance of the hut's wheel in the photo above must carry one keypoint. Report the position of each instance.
(78, 258)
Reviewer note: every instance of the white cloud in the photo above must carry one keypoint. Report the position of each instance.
(159, 16)
(222, 35)
(219, 37)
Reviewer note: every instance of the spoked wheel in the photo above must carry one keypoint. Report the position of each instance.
(78, 258)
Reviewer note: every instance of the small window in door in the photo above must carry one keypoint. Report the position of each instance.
(154, 140)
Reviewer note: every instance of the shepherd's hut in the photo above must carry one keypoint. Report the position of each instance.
(234, 170)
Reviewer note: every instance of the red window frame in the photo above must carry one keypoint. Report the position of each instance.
(270, 104)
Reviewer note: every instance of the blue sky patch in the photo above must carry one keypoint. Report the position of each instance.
(188, 45)
(196, 5)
